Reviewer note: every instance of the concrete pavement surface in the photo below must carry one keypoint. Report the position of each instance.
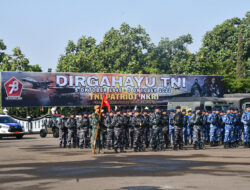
(35, 163)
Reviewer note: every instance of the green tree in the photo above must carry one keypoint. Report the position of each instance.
(171, 57)
(2, 47)
(225, 51)
(17, 62)
(80, 57)
(123, 50)
(240, 69)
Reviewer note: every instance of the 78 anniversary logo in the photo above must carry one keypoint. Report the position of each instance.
(13, 89)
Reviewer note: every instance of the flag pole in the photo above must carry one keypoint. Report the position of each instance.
(97, 129)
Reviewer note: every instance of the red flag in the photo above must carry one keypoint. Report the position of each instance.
(105, 102)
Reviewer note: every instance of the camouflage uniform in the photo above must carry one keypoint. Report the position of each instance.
(178, 129)
(90, 130)
(118, 123)
(83, 125)
(71, 125)
(63, 131)
(131, 131)
(165, 131)
(197, 121)
(156, 120)
(138, 122)
(110, 132)
(126, 131)
(104, 130)
(146, 130)
(99, 140)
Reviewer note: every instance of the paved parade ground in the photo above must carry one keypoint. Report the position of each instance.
(34, 163)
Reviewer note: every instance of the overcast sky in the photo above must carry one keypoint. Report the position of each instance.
(42, 28)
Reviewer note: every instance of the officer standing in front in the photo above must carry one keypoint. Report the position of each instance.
(94, 123)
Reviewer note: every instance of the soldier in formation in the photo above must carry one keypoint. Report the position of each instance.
(157, 129)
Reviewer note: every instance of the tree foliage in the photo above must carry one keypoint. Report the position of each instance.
(15, 61)
(225, 51)
(80, 57)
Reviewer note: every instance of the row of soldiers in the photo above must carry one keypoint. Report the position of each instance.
(123, 129)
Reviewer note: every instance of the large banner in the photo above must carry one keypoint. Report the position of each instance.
(30, 89)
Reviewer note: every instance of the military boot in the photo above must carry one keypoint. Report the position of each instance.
(168, 146)
(196, 146)
(122, 150)
(175, 147)
(154, 149)
(116, 151)
(142, 149)
(181, 146)
(100, 151)
(245, 145)
(201, 146)
(212, 143)
(235, 144)
(226, 145)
